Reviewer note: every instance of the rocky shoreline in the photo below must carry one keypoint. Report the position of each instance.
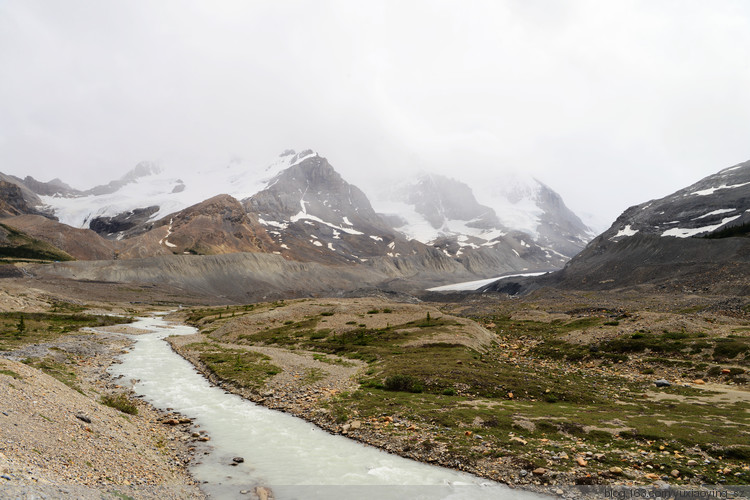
(57, 440)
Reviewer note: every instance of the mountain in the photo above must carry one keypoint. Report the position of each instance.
(302, 209)
(520, 217)
(696, 239)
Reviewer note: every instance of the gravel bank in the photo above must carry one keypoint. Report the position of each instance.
(58, 441)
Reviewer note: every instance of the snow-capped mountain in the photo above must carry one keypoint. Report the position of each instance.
(444, 212)
(149, 185)
(717, 202)
(300, 207)
(694, 239)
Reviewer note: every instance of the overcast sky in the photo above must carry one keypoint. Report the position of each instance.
(610, 103)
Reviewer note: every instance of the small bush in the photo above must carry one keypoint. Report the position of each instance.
(449, 392)
(373, 311)
(327, 313)
(120, 402)
(729, 349)
(403, 383)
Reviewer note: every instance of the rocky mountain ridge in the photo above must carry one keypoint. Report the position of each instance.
(695, 239)
(299, 207)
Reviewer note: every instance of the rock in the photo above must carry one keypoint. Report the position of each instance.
(652, 476)
(355, 424)
(238, 460)
(539, 471)
(581, 461)
(699, 381)
(518, 440)
(662, 383)
(83, 418)
(559, 492)
(263, 493)
(171, 421)
(675, 473)
(599, 456)
(523, 473)
(726, 371)
(615, 470)
(563, 455)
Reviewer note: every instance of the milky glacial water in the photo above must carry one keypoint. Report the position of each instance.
(289, 456)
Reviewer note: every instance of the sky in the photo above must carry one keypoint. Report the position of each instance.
(608, 103)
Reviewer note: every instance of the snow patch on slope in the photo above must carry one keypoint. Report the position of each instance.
(688, 232)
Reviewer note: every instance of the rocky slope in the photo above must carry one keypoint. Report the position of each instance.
(694, 239)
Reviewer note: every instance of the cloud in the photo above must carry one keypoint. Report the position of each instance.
(610, 103)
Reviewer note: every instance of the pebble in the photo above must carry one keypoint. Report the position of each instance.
(662, 383)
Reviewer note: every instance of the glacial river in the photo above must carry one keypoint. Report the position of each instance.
(289, 456)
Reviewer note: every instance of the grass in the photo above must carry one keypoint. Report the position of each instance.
(242, 367)
(23, 246)
(121, 402)
(57, 370)
(533, 384)
(10, 373)
(44, 327)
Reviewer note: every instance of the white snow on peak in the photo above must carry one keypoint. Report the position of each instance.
(238, 179)
(688, 232)
(716, 212)
(705, 192)
(626, 231)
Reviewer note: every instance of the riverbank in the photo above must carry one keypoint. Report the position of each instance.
(535, 407)
(64, 433)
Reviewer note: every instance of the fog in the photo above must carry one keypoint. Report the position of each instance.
(608, 103)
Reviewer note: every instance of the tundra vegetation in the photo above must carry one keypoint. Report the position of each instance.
(569, 390)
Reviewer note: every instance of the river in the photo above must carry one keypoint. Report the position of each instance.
(289, 456)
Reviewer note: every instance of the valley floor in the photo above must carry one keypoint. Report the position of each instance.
(549, 391)
(553, 390)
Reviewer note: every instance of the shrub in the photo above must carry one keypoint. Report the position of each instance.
(120, 402)
(403, 383)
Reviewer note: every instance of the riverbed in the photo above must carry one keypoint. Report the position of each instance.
(284, 454)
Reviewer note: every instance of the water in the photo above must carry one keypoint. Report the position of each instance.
(288, 455)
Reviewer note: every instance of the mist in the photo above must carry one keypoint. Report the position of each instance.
(609, 103)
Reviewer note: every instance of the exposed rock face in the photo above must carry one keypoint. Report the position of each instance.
(51, 188)
(128, 223)
(559, 228)
(11, 200)
(313, 214)
(17, 199)
(695, 239)
(215, 226)
(143, 169)
(440, 199)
